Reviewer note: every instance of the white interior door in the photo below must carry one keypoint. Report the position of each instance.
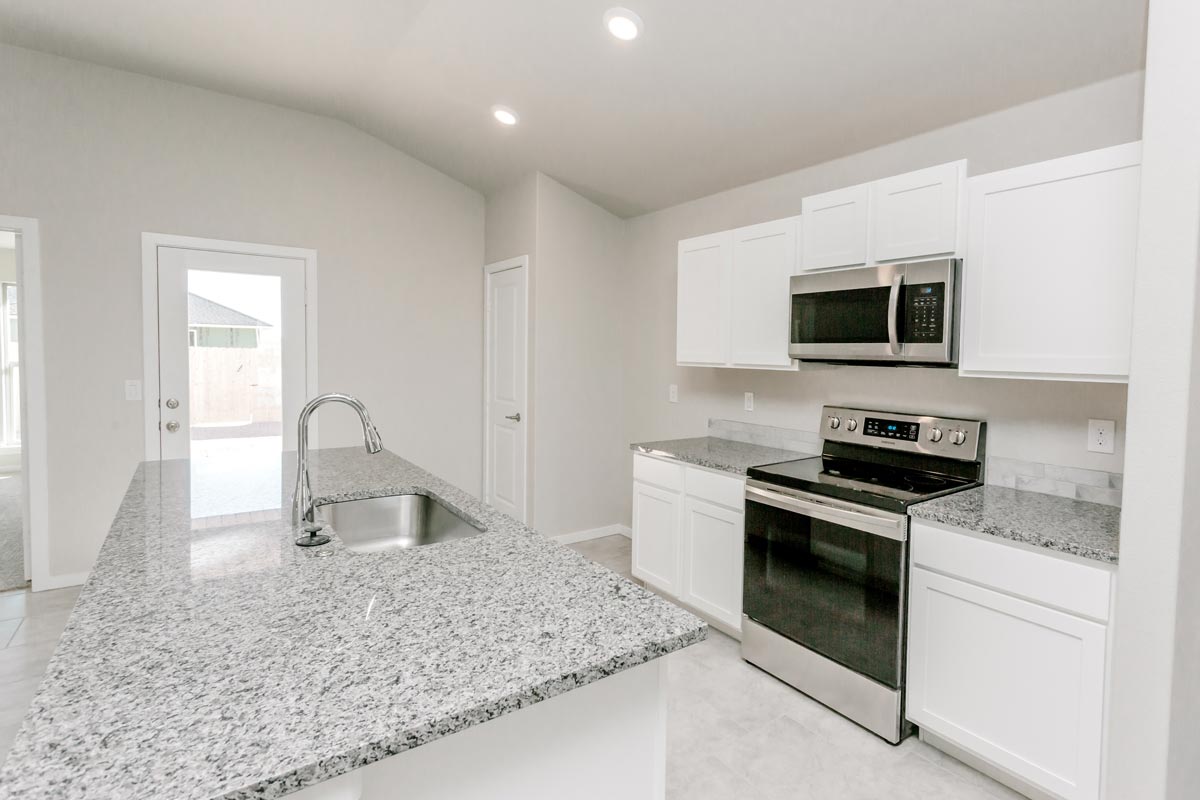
(506, 387)
(232, 371)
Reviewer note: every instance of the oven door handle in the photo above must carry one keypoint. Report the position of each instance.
(889, 527)
(894, 313)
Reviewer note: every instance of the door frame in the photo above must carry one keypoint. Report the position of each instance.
(488, 271)
(36, 497)
(150, 355)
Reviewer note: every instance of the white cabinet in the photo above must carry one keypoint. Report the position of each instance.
(657, 514)
(688, 532)
(917, 214)
(712, 560)
(764, 260)
(836, 228)
(1003, 665)
(702, 323)
(1048, 278)
(733, 305)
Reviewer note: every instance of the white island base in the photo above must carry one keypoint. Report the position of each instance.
(601, 741)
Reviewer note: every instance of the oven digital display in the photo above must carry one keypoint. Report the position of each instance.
(891, 429)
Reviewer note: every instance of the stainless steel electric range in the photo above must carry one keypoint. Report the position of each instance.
(826, 562)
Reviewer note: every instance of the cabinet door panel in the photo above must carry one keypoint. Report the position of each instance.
(916, 215)
(656, 522)
(1016, 683)
(1048, 279)
(764, 260)
(712, 560)
(835, 228)
(702, 322)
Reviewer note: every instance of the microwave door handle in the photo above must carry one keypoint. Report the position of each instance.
(893, 314)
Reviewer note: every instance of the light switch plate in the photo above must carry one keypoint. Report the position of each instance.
(1101, 435)
(673, 393)
(749, 401)
(133, 390)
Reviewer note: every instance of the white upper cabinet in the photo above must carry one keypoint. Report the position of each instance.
(764, 260)
(702, 323)
(1048, 278)
(917, 214)
(836, 228)
(734, 300)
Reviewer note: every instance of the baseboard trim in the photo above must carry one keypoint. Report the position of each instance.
(594, 533)
(59, 581)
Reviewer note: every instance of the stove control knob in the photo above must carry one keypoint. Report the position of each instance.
(852, 425)
(935, 434)
(835, 423)
(958, 437)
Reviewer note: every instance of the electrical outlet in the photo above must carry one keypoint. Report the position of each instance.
(1101, 433)
(673, 393)
(749, 401)
(133, 390)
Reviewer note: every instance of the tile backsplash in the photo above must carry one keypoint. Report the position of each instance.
(1094, 486)
(766, 435)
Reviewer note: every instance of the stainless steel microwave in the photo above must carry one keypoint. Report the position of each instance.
(899, 314)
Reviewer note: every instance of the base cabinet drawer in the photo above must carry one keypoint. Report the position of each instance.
(1018, 684)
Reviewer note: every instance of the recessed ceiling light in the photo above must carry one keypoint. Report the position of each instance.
(623, 23)
(505, 115)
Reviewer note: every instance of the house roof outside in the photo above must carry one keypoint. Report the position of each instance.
(209, 313)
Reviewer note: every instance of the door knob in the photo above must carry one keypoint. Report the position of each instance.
(172, 426)
(172, 404)
(514, 417)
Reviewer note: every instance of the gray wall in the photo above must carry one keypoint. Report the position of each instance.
(578, 310)
(1037, 420)
(99, 156)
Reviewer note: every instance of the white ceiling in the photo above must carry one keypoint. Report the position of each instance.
(713, 95)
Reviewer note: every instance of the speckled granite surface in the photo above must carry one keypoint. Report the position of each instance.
(1084, 529)
(229, 663)
(723, 454)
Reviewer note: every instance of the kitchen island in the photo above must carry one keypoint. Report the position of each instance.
(226, 662)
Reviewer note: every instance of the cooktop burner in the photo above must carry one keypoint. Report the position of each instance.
(861, 482)
(885, 460)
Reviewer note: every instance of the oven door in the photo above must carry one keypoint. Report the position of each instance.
(828, 575)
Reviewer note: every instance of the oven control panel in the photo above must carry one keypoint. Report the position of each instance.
(941, 436)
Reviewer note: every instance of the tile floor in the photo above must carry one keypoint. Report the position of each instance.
(30, 625)
(733, 731)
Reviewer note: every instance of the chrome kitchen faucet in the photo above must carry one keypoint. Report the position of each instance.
(302, 503)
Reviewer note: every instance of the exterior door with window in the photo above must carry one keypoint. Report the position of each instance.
(232, 371)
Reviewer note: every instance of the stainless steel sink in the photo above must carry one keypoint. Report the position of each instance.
(395, 522)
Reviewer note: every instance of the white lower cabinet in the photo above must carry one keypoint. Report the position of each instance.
(656, 523)
(996, 671)
(688, 531)
(712, 560)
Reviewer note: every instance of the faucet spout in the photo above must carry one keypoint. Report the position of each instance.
(302, 501)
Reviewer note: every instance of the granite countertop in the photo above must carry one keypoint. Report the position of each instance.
(722, 454)
(1071, 526)
(226, 662)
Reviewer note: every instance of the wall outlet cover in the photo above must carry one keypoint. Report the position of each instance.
(749, 401)
(133, 390)
(673, 393)
(1101, 435)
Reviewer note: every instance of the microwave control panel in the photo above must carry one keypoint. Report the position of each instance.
(924, 313)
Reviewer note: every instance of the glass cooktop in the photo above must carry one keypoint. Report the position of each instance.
(870, 484)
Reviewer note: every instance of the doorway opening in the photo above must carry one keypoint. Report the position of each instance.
(229, 364)
(24, 548)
